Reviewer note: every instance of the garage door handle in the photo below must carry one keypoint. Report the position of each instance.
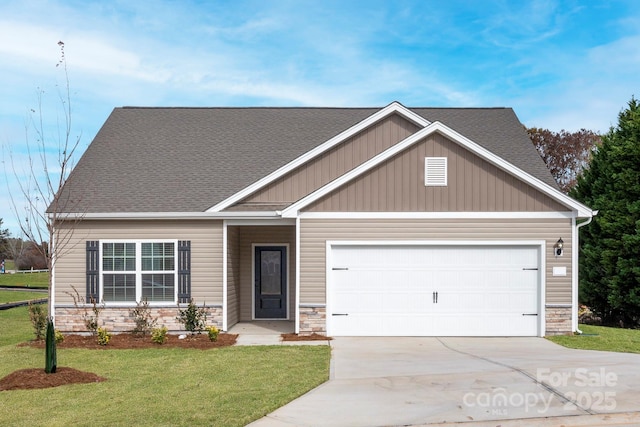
(339, 268)
(340, 314)
(536, 269)
(529, 314)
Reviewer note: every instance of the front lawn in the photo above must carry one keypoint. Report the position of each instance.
(15, 327)
(602, 338)
(11, 296)
(28, 280)
(229, 386)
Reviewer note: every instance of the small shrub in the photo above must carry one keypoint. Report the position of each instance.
(193, 318)
(213, 333)
(91, 320)
(159, 335)
(38, 317)
(59, 336)
(142, 317)
(103, 336)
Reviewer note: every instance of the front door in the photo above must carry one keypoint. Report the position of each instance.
(270, 282)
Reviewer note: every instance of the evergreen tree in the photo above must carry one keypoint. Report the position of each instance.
(610, 258)
(4, 242)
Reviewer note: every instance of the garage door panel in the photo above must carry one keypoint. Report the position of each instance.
(434, 290)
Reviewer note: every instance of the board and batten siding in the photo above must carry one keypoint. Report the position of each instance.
(335, 162)
(314, 233)
(206, 253)
(398, 185)
(250, 235)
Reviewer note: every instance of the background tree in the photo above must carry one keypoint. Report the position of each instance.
(610, 259)
(50, 161)
(4, 242)
(566, 154)
(32, 256)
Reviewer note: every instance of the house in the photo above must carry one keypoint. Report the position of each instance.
(344, 221)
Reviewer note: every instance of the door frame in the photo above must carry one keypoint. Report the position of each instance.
(253, 280)
(538, 244)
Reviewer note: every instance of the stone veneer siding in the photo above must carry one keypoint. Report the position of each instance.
(313, 320)
(558, 320)
(118, 319)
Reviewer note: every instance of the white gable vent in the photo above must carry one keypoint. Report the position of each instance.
(435, 171)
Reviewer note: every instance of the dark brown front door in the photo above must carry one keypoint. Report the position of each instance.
(270, 282)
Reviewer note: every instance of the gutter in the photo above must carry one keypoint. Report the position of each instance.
(575, 270)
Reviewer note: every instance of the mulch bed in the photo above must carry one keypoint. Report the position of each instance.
(26, 379)
(35, 378)
(312, 337)
(129, 341)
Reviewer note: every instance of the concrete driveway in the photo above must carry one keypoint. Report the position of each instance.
(417, 381)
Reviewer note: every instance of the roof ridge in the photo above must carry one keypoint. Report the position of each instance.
(136, 107)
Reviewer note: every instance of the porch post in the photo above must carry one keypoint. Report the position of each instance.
(224, 275)
(297, 308)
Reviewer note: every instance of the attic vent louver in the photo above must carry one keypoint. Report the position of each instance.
(435, 171)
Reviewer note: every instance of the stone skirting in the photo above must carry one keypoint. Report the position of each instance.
(313, 320)
(119, 319)
(558, 321)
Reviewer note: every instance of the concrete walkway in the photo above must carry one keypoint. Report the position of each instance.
(266, 332)
(482, 381)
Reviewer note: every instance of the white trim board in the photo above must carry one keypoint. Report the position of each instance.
(393, 108)
(437, 215)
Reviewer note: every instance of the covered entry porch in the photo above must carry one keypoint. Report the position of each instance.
(259, 275)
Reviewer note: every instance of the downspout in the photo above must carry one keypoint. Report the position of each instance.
(52, 273)
(576, 249)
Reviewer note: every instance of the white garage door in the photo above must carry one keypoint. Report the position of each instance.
(433, 290)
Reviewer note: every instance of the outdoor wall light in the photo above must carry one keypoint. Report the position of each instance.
(558, 248)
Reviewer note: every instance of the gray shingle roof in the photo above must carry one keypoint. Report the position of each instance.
(189, 159)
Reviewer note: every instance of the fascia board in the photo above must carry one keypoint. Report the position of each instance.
(293, 210)
(393, 108)
(266, 215)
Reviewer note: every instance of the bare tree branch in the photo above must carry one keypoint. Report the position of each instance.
(45, 209)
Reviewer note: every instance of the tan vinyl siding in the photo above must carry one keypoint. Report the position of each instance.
(233, 276)
(206, 253)
(474, 185)
(263, 235)
(330, 165)
(314, 234)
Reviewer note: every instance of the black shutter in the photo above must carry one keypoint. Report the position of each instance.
(92, 271)
(184, 271)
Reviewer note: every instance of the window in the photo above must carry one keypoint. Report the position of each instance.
(435, 171)
(138, 271)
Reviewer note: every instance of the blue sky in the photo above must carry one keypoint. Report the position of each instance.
(559, 64)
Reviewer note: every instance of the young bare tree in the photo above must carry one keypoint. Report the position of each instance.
(49, 163)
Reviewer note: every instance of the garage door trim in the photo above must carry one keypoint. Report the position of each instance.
(538, 244)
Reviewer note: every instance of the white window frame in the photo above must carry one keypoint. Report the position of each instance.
(138, 272)
(439, 163)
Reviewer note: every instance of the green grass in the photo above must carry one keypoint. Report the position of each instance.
(15, 327)
(29, 280)
(602, 338)
(229, 386)
(11, 296)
